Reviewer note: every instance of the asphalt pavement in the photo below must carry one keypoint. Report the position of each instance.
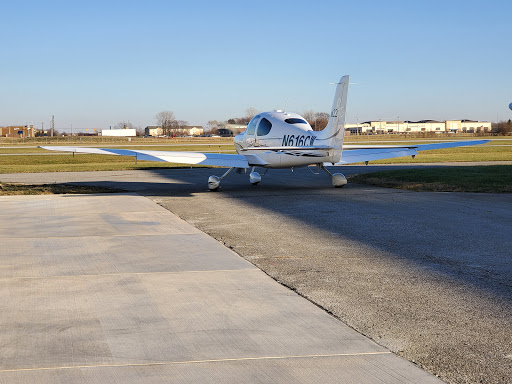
(426, 275)
(115, 289)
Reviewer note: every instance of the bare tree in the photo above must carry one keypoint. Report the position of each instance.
(165, 119)
(317, 120)
(502, 128)
(321, 120)
(213, 123)
(213, 126)
(251, 112)
(140, 131)
(123, 124)
(309, 116)
(176, 127)
(239, 120)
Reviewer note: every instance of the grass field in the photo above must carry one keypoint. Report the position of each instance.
(484, 152)
(206, 147)
(99, 140)
(491, 178)
(25, 156)
(68, 163)
(50, 189)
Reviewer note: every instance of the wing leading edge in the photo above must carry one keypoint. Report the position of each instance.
(215, 159)
(350, 156)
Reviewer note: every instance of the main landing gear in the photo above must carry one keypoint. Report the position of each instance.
(214, 181)
(338, 179)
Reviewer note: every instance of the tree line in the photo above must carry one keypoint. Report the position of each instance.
(502, 128)
(317, 120)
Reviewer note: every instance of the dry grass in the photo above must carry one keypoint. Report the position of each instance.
(31, 159)
(50, 189)
(487, 179)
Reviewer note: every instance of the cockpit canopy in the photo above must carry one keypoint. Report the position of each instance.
(263, 126)
(262, 123)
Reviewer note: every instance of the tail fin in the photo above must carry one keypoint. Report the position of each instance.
(333, 134)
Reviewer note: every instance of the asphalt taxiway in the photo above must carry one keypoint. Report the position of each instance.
(426, 275)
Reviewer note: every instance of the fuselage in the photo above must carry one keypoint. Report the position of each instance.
(280, 139)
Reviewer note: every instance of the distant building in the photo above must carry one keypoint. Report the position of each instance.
(400, 127)
(471, 126)
(186, 130)
(153, 130)
(195, 131)
(228, 130)
(17, 131)
(129, 132)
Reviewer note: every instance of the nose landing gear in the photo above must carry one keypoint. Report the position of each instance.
(254, 177)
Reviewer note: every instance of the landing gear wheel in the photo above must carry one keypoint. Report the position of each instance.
(254, 178)
(213, 183)
(338, 180)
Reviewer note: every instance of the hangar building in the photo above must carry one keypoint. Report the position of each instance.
(448, 126)
(17, 131)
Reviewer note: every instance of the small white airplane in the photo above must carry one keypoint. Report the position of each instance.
(280, 139)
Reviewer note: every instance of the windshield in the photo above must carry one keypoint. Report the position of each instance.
(251, 127)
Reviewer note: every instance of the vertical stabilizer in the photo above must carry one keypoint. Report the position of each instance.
(333, 134)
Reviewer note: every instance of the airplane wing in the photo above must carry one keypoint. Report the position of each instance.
(216, 159)
(350, 156)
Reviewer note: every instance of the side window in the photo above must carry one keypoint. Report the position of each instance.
(264, 127)
(294, 120)
(252, 126)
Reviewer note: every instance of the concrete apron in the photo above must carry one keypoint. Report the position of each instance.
(114, 288)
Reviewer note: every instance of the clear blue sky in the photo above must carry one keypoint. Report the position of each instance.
(95, 63)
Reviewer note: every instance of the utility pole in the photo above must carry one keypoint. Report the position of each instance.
(53, 125)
